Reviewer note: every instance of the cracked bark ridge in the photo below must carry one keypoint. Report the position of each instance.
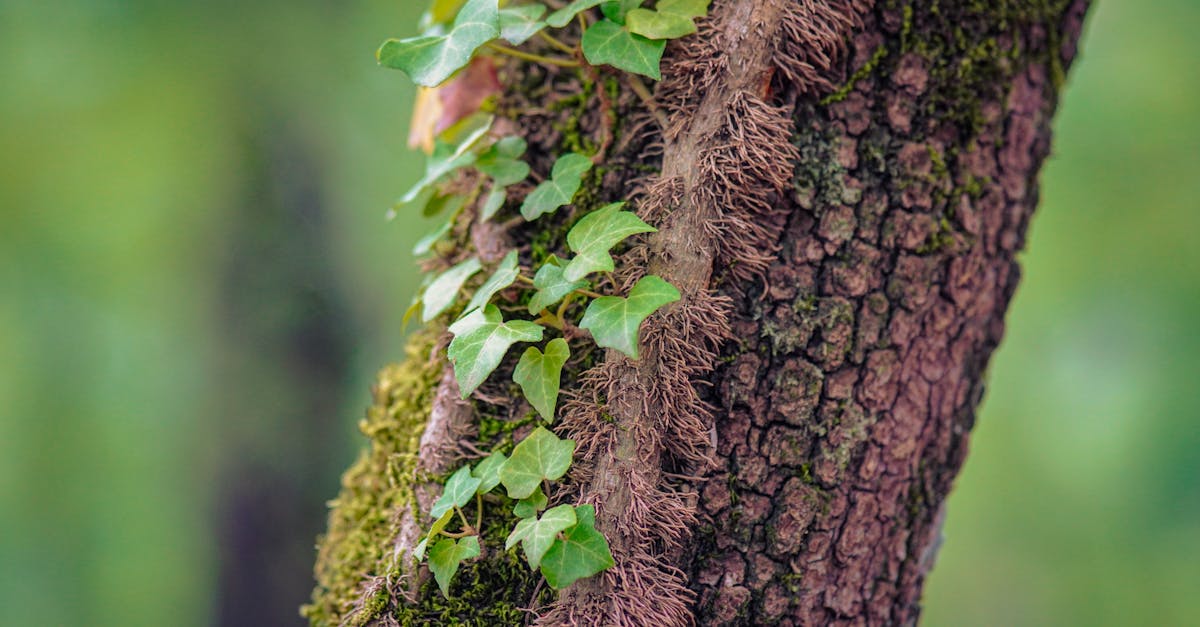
(726, 164)
(844, 415)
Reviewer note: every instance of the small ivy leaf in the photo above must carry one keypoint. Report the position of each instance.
(417, 301)
(518, 24)
(551, 285)
(430, 59)
(537, 534)
(441, 12)
(539, 374)
(581, 552)
(446, 158)
(531, 505)
(425, 244)
(671, 19)
(443, 202)
(614, 321)
(460, 489)
(561, 17)
(593, 236)
(480, 342)
(503, 277)
(443, 290)
(608, 42)
(541, 455)
(502, 161)
(488, 472)
(559, 189)
(492, 204)
(434, 530)
(446, 556)
(615, 10)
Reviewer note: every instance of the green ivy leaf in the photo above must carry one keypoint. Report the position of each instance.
(551, 285)
(481, 339)
(446, 556)
(559, 189)
(539, 374)
(593, 236)
(614, 321)
(431, 59)
(460, 489)
(425, 244)
(608, 42)
(540, 456)
(503, 277)
(488, 472)
(615, 10)
(434, 530)
(531, 505)
(581, 552)
(537, 534)
(446, 158)
(561, 17)
(492, 204)
(442, 292)
(440, 12)
(670, 19)
(518, 24)
(502, 161)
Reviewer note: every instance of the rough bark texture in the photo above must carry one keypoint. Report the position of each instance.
(841, 189)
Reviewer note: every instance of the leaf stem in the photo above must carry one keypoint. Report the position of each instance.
(647, 98)
(463, 517)
(478, 511)
(536, 58)
(554, 41)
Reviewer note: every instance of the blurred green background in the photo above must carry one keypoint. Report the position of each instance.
(197, 283)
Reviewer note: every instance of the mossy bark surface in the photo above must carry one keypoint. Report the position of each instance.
(841, 190)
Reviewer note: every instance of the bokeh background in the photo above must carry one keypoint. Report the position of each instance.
(197, 283)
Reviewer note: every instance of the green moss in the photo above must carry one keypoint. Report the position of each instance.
(363, 521)
(876, 57)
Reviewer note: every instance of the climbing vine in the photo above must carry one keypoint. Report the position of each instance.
(561, 541)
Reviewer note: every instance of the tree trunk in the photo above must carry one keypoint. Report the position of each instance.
(841, 189)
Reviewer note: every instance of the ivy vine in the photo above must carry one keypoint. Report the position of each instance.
(561, 541)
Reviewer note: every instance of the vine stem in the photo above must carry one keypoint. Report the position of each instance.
(554, 41)
(478, 511)
(536, 58)
(640, 89)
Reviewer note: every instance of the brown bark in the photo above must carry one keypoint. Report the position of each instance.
(841, 189)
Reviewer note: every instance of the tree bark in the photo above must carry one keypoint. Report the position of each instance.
(841, 189)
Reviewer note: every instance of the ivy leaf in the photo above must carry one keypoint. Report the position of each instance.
(614, 321)
(446, 556)
(539, 374)
(537, 534)
(608, 42)
(581, 552)
(531, 505)
(434, 530)
(670, 19)
(480, 342)
(615, 10)
(503, 277)
(446, 158)
(561, 17)
(429, 60)
(502, 161)
(551, 285)
(425, 244)
(518, 24)
(488, 472)
(559, 189)
(541, 455)
(444, 289)
(460, 489)
(492, 204)
(593, 236)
